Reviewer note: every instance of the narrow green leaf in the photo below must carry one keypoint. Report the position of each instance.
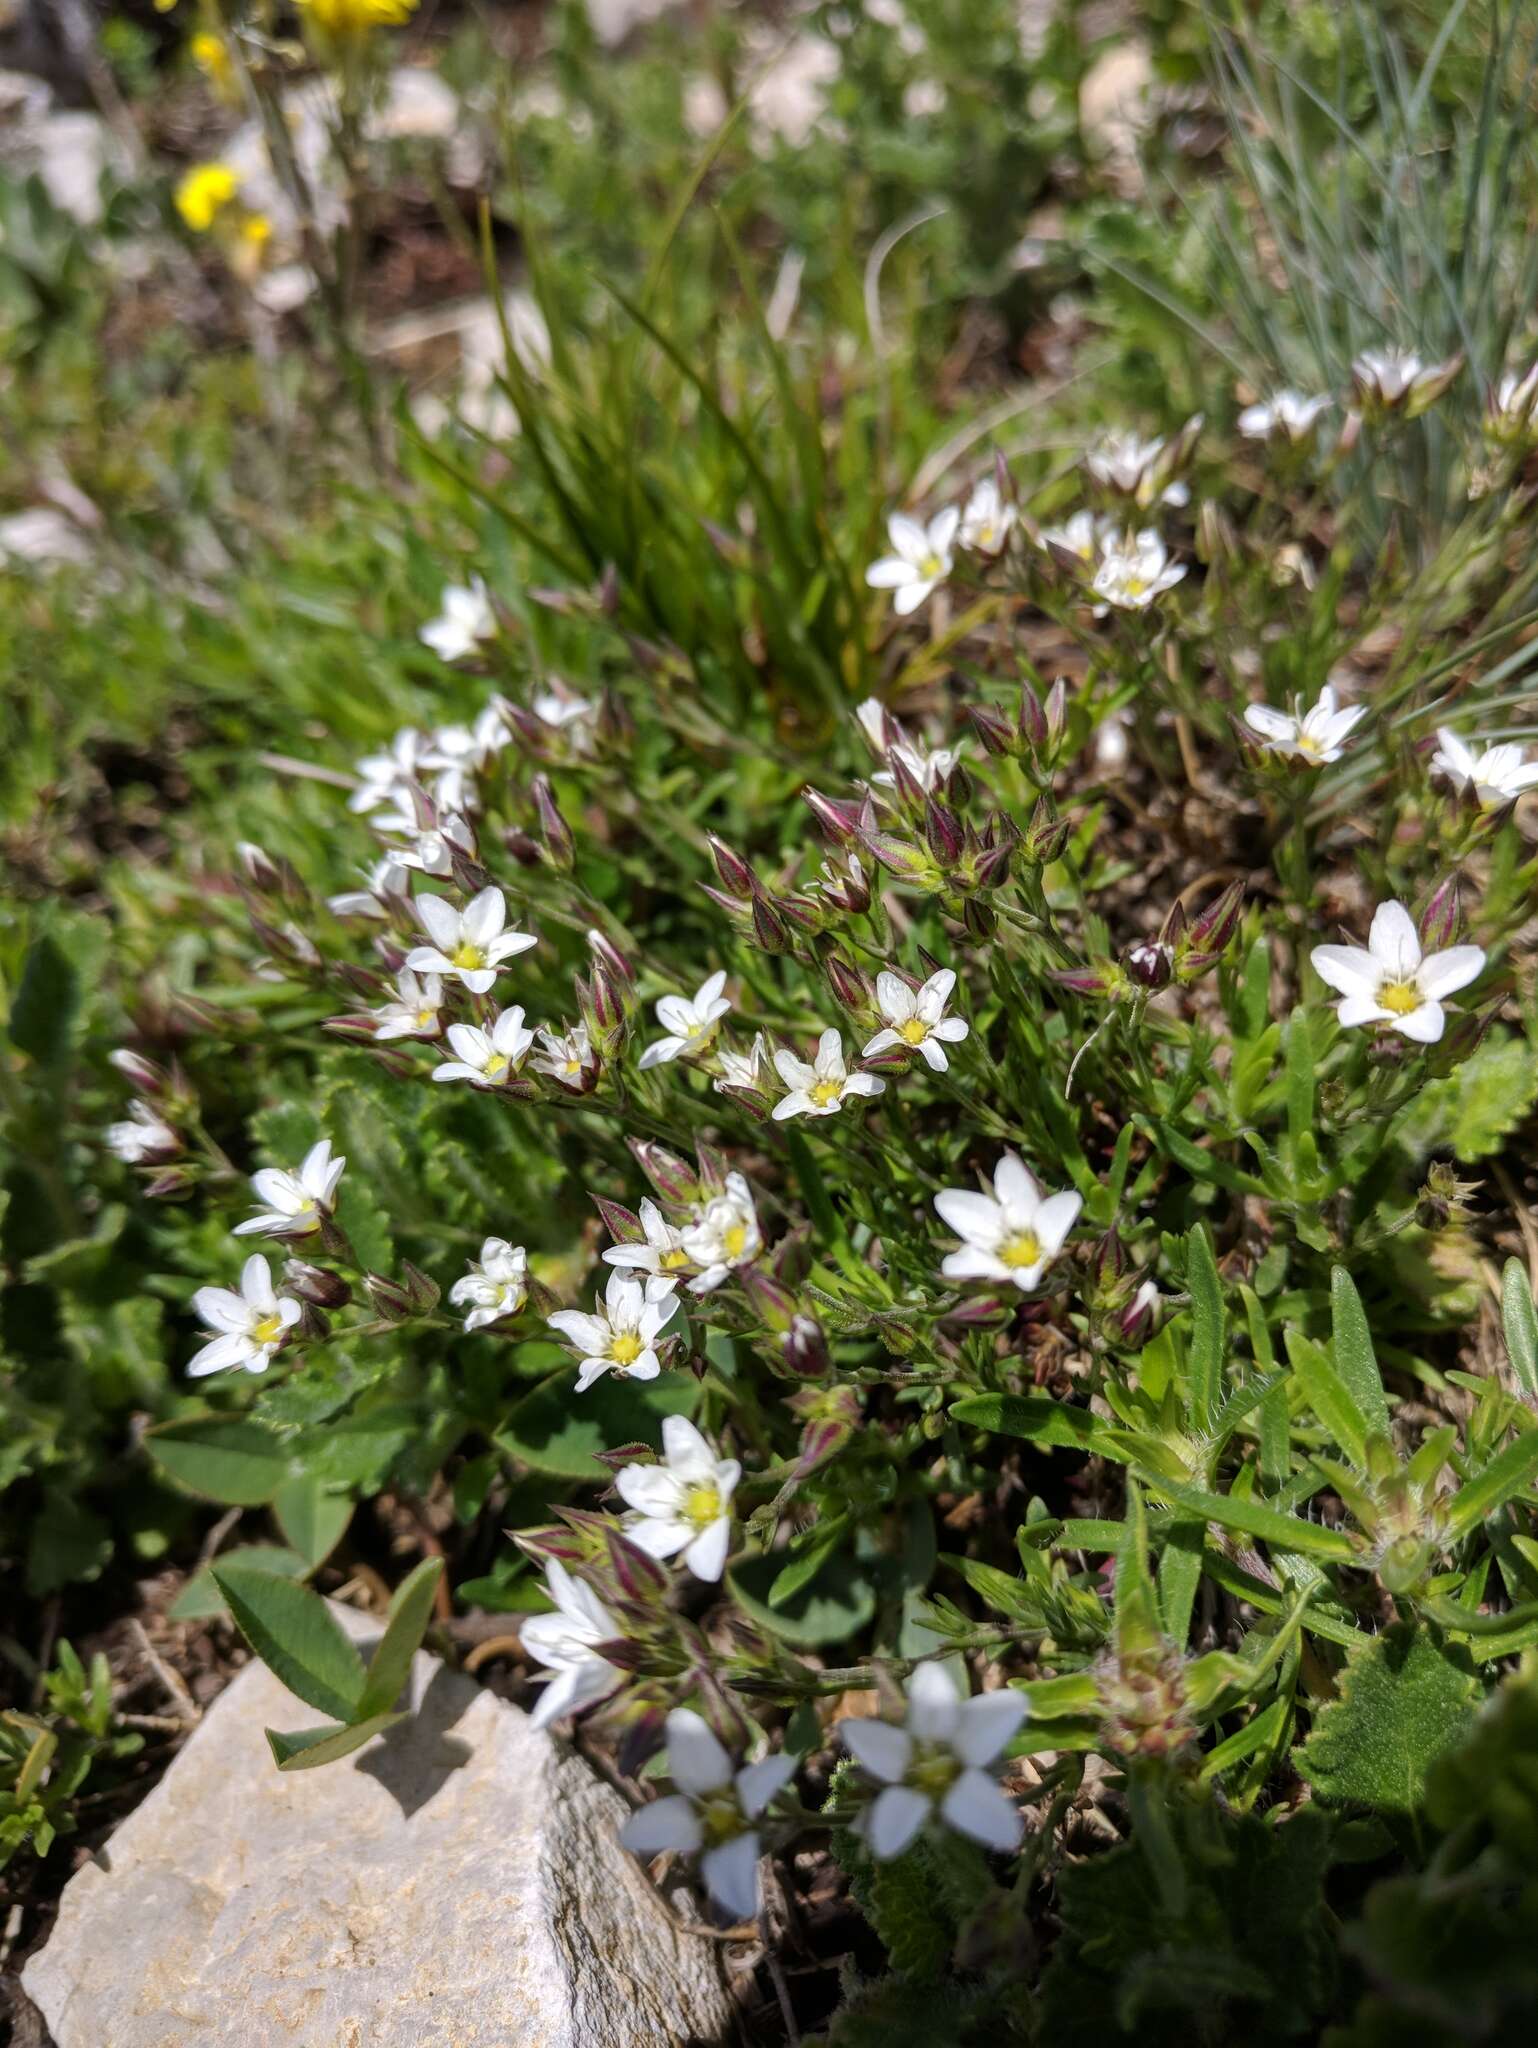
(409, 1613)
(1208, 1327)
(306, 1749)
(292, 1630)
(1355, 1359)
(1255, 1519)
(1328, 1395)
(1300, 1079)
(1180, 1573)
(1267, 1730)
(1040, 1419)
(1521, 1320)
(1505, 1475)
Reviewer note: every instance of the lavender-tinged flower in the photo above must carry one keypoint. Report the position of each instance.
(712, 1814)
(934, 1766)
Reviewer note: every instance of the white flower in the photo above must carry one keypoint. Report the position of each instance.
(928, 767)
(465, 617)
(690, 1022)
(1134, 570)
(748, 1069)
(661, 1254)
(564, 1642)
(986, 518)
(1285, 416)
(294, 1202)
(621, 1335)
(1398, 380)
(414, 1012)
(713, 1811)
(683, 1504)
(1312, 737)
(1085, 535)
(487, 1059)
(458, 753)
(386, 878)
(1497, 774)
(559, 708)
(1509, 413)
(1012, 1234)
(822, 1088)
(430, 849)
(1137, 469)
(568, 1057)
(245, 1329)
(494, 1286)
(145, 1139)
(933, 1766)
(1391, 982)
(920, 560)
(468, 945)
(724, 1236)
(383, 777)
(917, 1019)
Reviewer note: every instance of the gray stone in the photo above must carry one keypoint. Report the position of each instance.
(455, 1884)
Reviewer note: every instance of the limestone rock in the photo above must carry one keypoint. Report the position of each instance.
(455, 1884)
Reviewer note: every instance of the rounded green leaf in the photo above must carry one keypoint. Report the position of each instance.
(557, 1430)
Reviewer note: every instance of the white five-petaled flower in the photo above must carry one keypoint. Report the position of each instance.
(293, 1203)
(1498, 774)
(934, 1766)
(724, 1236)
(1136, 469)
(144, 1139)
(246, 1329)
(457, 754)
(916, 1018)
(928, 766)
(621, 1335)
(386, 878)
(486, 1058)
(1085, 535)
(1134, 569)
(414, 1011)
(1398, 380)
(921, 558)
(1012, 1234)
(748, 1069)
(1391, 982)
(986, 518)
(683, 1504)
(567, 1057)
(822, 1088)
(565, 1642)
(429, 849)
(494, 1285)
(464, 619)
(712, 1813)
(689, 1021)
(382, 778)
(1313, 736)
(468, 945)
(1285, 416)
(661, 1251)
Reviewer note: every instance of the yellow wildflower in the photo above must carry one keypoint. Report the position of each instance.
(212, 57)
(204, 193)
(357, 17)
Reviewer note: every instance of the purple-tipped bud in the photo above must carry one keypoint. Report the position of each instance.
(1108, 1260)
(852, 987)
(804, 1347)
(317, 1285)
(899, 857)
(602, 1012)
(1057, 712)
(998, 736)
(1047, 834)
(838, 818)
(176, 1180)
(773, 1301)
(626, 1454)
(619, 969)
(769, 930)
(1150, 963)
(523, 848)
(388, 1298)
(1101, 980)
(554, 830)
(943, 833)
(1212, 931)
(671, 1177)
(638, 1576)
(622, 1224)
(802, 914)
(1172, 931)
(1139, 1317)
(144, 1074)
(1033, 720)
(421, 1289)
(737, 878)
(1442, 918)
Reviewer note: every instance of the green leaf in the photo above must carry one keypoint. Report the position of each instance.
(200, 1597)
(1403, 1701)
(409, 1614)
(1505, 1475)
(1180, 1573)
(1355, 1359)
(1476, 1108)
(313, 1520)
(1039, 1419)
(1207, 1327)
(67, 1544)
(294, 1632)
(46, 996)
(1329, 1396)
(1521, 1324)
(306, 1749)
(221, 1457)
(556, 1430)
(838, 1603)
(1255, 1519)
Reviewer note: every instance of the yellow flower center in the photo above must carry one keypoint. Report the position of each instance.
(720, 1818)
(268, 1330)
(930, 566)
(733, 1239)
(1400, 997)
(1134, 586)
(496, 1066)
(934, 1773)
(672, 1261)
(626, 1348)
(702, 1504)
(572, 1067)
(467, 955)
(1023, 1249)
(426, 1017)
(914, 1032)
(824, 1092)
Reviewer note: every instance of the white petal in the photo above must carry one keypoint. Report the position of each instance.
(762, 1782)
(1016, 1186)
(219, 1308)
(663, 1050)
(877, 1747)
(1394, 941)
(696, 1761)
(1424, 1025)
(890, 573)
(880, 1043)
(666, 1824)
(440, 920)
(731, 1875)
(988, 1722)
(1443, 974)
(484, 916)
(1347, 969)
(1055, 1218)
(932, 1052)
(1362, 1008)
(685, 1449)
(706, 1555)
(974, 1262)
(974, 1217)
(224, 1352)
(895, 999)
(911, 596)
(908, 536)
(976, 1806)
(934, 1704)
(895, 1818)
(1271, 725)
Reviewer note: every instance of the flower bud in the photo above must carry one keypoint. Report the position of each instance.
(1442, 918)
(998, 737)
(268, 874)
(737, 878)
(1139, 1317)
(1102, 980)
(421, 1289)
(1211, 932)
(899, 857)
(942, 833)
(638, 1577)
(845, 886)
(388, 1298)
(524, 849)
(317, 1285)
(773, 1301)
(602, 1013)
(670, 1176)
(838, 818)
(852, 987)
(619, 969)
(622, 1224)
(1150, 963)
(801, 914)
(769, 932)
(144, 1074)
(1047, 834)
(1057, 713)
(559, 844)
(804, 1347)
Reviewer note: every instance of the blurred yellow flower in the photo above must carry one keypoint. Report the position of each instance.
(212, 57)
(204, 193)
(357, 17)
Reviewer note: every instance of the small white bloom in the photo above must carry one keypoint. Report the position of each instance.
(494, 1286)
(724, 1236)
(1392, 982)
(293, 1203)
(414, 1012)
(621, 1334)
(1085, 535)
(486, 1058)
(748, 1069)
(683, 1504)
(244, 1330)
(690, 1022)
(928, 766)
(822, 1088)
(567, 1057)
(563, 711)
(916, 1018)
(468, 945)
(934, 1767)
(1398, 380)
(565, 1643)
(1139, 469)
(145, 1139)
(1498, 774)
(465, 618)
(1285, 416)
(428, 850)
(1134, 570)
(1312, 737)
(920, 560)
(1509, 414)
(382, 778)
(456, 754)
(1011, 1234)
(713, 1812)
(986, 518)
(661, 1252)
(387, 878)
